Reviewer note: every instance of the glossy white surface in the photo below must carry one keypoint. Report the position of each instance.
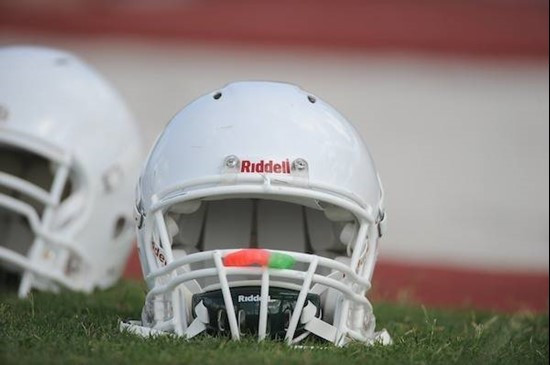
(59, 107)
(261, 120)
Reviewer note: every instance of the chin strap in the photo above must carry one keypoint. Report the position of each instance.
(199, 323)
(329, 332)
(196, 327)
(381, 337)
(317, 326)
(311, 323)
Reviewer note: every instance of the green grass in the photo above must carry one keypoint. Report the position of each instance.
(74, 328)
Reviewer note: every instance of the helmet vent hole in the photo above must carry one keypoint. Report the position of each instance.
(311, 99)
(61, 61)
(217, 95)
(3, 113)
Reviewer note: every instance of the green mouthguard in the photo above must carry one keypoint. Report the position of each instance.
(280, 261)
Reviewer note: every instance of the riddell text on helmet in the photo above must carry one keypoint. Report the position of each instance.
(270, 166)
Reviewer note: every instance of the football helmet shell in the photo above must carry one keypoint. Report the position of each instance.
(69, 156)
(259, 193)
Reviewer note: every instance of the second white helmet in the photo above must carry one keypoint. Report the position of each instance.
(69, 157)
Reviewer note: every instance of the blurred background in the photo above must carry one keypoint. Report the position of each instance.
(451, 96)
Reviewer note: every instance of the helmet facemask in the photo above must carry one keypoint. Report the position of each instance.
(188, 237)
(39, 196)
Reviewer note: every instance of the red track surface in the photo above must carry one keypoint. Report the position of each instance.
(460, 288)
(472, 27)
(447, 287)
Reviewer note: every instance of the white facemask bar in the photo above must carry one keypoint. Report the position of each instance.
(308, 277)
(358, 275)
(39, 226)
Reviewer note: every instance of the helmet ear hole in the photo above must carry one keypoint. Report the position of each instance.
(120, 226)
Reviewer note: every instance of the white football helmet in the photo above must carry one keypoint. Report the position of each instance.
(259, 211)
(69, 157)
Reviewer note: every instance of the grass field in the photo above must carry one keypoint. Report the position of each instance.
(74, 328)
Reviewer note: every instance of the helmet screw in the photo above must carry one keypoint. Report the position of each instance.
(231, 161)
(299, 164)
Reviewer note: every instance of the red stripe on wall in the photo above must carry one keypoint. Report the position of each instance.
(472, 27)
(446, 287)
(462, 288)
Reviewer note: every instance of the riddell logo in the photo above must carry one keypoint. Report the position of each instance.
(159, 253)
(251, 298)
(269, 166)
